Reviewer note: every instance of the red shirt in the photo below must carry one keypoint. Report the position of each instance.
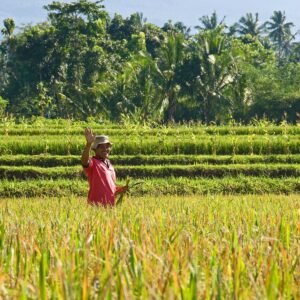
(101, 180)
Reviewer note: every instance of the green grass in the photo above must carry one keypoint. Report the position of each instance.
(214, 171)
(155, 186)
(217, 145)
(216, 247)
(210, 171)
(18, 130)
(46, 160)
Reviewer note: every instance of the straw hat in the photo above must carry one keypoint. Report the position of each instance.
(100, 139)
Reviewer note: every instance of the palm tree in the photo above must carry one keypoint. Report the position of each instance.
(249, 25)
(183, 29)
(171, 58)
(280, 32)
(7, 48)
(177, 27)
(210, 22)
(141, 96)
(137, 21)
(216, 71)
(9, 27)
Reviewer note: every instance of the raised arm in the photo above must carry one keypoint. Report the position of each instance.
(90, 138)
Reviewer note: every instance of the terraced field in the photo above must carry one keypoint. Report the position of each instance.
(216, 215)
(44, 159)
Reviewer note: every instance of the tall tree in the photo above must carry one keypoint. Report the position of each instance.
(214, 70)
(80, 55)
(280, 32)
(249, 24)
(28, 65)
(9, 27)
(5, 51)
(141, 97)
(154, 38)
(170, 60)
(120, 28)
(177, 27)
(210, 22)
(133, 91)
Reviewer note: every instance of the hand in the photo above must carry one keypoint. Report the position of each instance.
(89, 136)
(122, 189)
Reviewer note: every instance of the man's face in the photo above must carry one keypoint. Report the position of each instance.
(103, 150)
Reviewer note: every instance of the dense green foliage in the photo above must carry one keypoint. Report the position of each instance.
(82, 63)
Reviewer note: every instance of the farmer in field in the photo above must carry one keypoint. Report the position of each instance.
(99, 171)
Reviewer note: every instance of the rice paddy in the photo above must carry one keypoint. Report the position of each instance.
(216, 216)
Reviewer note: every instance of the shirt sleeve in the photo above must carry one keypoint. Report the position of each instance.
(89, 168)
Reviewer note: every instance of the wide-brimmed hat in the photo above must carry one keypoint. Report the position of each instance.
(100, 139)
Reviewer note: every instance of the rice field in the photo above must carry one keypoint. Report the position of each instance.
(196, 247)
(215, 217)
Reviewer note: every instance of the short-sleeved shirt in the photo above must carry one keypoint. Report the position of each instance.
(101, 177)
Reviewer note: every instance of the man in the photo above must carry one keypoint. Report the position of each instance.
(99, 171)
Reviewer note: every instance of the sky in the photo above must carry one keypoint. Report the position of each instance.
(160, 11)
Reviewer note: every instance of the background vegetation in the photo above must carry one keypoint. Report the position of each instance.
(81, 62)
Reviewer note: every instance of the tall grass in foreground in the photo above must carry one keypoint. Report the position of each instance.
(240, 247)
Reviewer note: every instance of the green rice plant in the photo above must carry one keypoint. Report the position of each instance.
(60, 146)
(157, 171)
(42, 275)
(212, 246)
(42, 160)
(155, 186)
(74, 129)
(286, 136)
(284, 233)
(273, 282)
(214, 140)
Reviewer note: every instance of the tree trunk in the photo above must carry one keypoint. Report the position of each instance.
(206, 110)
(171, 108)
